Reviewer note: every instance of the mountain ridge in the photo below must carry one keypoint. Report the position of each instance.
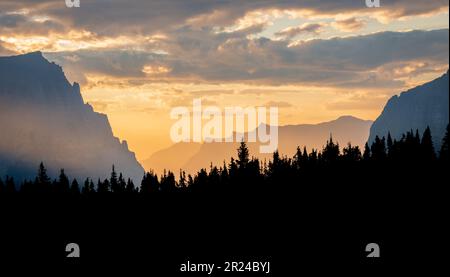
(416, 108)
(344, 129)
(44, 118)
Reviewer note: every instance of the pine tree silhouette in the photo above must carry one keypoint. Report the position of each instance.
(63, 183)
(378, 149)
(130, 188)
(114, 181)
(10, 186)
(330, 152)
(243, 155)
(42, 183)
(304, 162)
(390, 145)
(313, 158)
(75, 188)
(86, 187)
(121, 184)
(182, 182)
(367, 155)
(91, 186)
(103, 187)
(351, 153)
(444, 151)
(297, 162)
(427, 153)
(408, 156)
(168, 183)
(149, 183)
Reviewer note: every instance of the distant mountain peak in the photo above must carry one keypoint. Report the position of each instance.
(348, 117)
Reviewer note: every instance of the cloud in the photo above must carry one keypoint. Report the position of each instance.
(11, 20)
(149, 17)
(111, 62)
(215, 42)
(361, 102)
(186, 101)
(25, 24)
(306, 28)
(198, 56)
(209, 92)
(279, 104)
(346, 61)
(4, 51)
(100, 105)
(349, 25)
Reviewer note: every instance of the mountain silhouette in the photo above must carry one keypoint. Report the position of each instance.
(44, 118)
(193, 156)
(415, 109)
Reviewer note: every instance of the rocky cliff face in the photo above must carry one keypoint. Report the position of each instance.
(44, 118)
(417, 108)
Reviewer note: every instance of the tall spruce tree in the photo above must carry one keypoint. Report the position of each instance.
(114, 182)
(243, 155)
(366, 154)
(43, 182)
(86, 187)
(121, 183)
(390, 145)
(91, 186)
(378, 149)
(75, 187)
(426, 147)
(330, 152)
(444, 154)
(103, 187)
(130, 186)
(63, 182)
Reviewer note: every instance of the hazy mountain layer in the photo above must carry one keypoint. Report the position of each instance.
(43, 118)
(193, 156)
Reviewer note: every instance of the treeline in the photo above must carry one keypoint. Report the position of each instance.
(410, 154)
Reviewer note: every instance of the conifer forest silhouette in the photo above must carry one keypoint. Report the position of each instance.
(387, 165)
